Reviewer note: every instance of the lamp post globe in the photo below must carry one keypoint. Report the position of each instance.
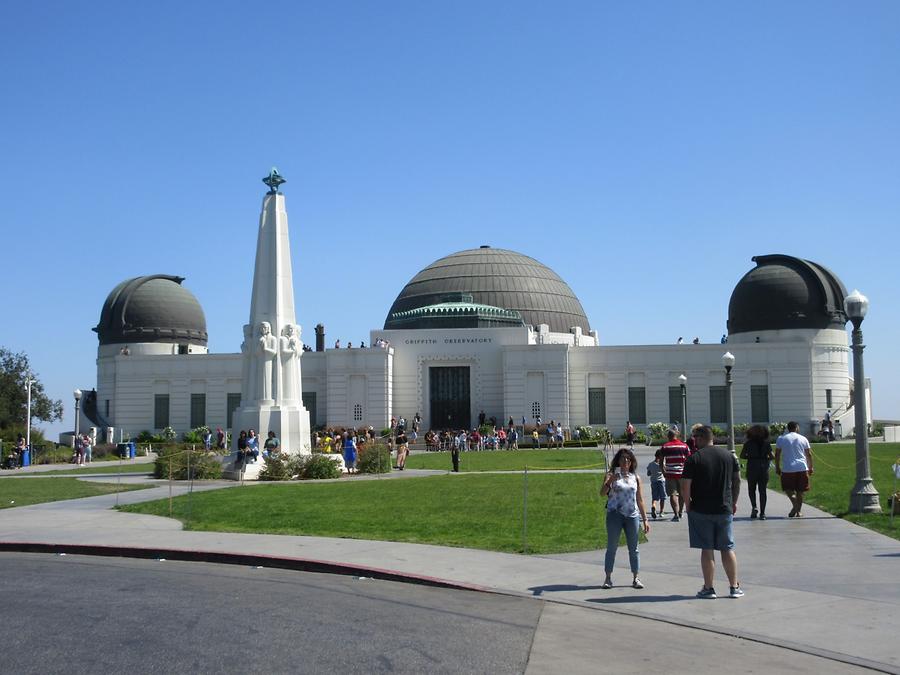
(682, 382)
(864, 496)
(77, 394)
(728, 362)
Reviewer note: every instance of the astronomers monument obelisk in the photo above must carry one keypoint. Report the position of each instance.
(270, 377)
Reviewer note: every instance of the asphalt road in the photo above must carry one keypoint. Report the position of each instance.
(78, 614)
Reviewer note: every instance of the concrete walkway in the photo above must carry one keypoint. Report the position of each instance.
(818, 585)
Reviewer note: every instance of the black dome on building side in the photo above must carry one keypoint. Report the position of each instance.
(497, 278)
(783, 292)
(155, 308)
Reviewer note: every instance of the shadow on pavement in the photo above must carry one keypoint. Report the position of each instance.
(640, 598)
(539, 590)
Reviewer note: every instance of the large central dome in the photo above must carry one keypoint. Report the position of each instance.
(497, 278)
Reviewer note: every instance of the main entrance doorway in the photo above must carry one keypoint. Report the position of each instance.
(449, 397)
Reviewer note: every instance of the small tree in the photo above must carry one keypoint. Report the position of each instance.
(14, 372)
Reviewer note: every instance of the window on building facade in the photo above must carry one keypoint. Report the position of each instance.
(357, 413)
(232, 402)
(828, 400)
(675, 407)
(637, 405)
(535, 410)
(106, 407)
(160, 411)
(597, 405)
(718, 405)
(198, 410)
(309, 402)
(759, 403)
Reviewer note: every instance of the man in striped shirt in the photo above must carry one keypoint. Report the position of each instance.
(674, 455)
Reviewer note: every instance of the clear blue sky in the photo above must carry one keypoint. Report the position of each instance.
(644, 151)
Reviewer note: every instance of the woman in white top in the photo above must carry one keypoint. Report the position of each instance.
(624, 510)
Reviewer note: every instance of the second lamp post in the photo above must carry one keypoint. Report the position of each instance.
(728, 362)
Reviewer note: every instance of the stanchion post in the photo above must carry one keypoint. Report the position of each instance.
(191, 487)
(525, 512)
(119, 479)
(170, 486)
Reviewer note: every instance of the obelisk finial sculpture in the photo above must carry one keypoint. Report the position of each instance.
(271, 386)
(274, 180)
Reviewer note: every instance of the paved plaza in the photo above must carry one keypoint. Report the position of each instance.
(820, 590)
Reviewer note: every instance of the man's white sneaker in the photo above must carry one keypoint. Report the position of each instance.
(736, 592)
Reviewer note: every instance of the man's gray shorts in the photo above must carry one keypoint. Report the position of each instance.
(710, 531)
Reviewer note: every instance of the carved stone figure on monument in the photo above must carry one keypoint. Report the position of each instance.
(266, 350)
(290, 362)
(247, 386)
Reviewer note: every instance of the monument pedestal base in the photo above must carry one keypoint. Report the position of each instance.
(290, 424)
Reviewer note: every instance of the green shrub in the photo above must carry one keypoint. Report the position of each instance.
(52, 454)
(276, 467)
(175, 459)
(777, 428)
(195, 435)
(658, 430)
(374, 458)
(740, 430)
(315, 467)
(719, 432)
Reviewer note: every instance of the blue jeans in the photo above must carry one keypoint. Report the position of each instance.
(615, 522)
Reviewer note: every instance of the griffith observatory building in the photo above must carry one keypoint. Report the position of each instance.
(487, 330)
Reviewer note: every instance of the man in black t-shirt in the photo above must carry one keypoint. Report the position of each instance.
(710, 486)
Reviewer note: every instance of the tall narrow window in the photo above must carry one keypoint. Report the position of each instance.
(232, 403)
(160, 411)
(828, 400)
(597, 405)
(535, 410)
(718, 405)
(357, 413)
(675, 404)
(637, 405)
(759, 403)
(198, 410)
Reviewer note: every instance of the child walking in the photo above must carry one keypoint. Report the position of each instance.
(657, 485)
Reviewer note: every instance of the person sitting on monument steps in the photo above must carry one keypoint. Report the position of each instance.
(272, 445)
(252, 446)
(242, 448)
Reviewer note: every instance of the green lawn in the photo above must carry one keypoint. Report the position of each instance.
(475, 511)
(24, 491)
(512, 460)
(835, 475)
(105, 468)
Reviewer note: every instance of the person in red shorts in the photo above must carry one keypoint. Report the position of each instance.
(674, 454)
(796, 468)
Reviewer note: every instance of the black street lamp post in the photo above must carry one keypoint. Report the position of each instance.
(864, 497)
(728, 362)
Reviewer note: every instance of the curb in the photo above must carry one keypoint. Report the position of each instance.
(245, 559)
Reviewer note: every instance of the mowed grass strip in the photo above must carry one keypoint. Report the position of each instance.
(474, 511)
(145, 467)
(834, 476)
(24, 491)
(511, 460)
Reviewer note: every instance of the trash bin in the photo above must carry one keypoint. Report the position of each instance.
(123, 450)
(26, 457)
(132, 449)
